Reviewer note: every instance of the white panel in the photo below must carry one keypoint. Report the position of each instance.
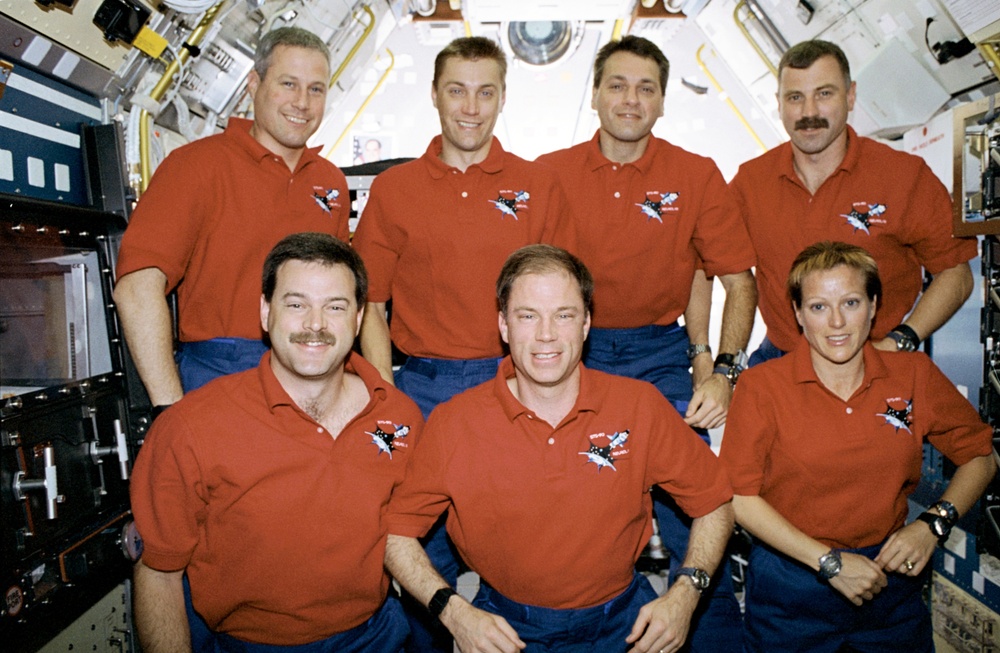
(37, 50)
(53, 96)
(67, 64)
(36, 172)
(38, 130)
(62, 177)
(6, 165)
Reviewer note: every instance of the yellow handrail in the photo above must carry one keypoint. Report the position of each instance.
(364, 105)
(749, 37)
(160, 89)
(729, 101)
(354, 50)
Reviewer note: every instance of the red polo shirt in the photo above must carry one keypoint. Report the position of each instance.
(841, 471)
(279, 526)
(555, 517)
(643, 227)
(434, 240)
(213, 211)
(886, 201)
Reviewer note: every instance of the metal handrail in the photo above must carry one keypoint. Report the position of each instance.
(364, 105)
(749, 37)
(729, 100)
(354, 49)
(160, 89)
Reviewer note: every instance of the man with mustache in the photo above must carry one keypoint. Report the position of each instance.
(828, 183)
(268, 487)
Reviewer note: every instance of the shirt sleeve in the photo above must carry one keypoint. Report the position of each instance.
(955, 428)
(683, 465)
(374, 241)
(720, 235)
(422, 497)
(165, 227)
(929, 224)
(168, 494)
(748, 437)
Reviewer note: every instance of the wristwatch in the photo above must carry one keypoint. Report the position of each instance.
(440, 600)
(695, 350)
(830, 564)
(699, 577)
(731, 365)
(941, 518)
(906, 338)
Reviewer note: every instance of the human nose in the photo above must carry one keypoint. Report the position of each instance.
(471, 105)
(809, 106)
(546, 330)
(837, 317)
(315, 320)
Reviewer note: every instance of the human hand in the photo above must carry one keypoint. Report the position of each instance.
(710, 403)
(908, 550)
(860, 579)
(662, 625)
(478, 631)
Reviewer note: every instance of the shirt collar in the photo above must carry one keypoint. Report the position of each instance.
(492, 164)
(848, 165)
(587, 401)
(803, 372)
(596, 159)
(275, 394)
(238, 129)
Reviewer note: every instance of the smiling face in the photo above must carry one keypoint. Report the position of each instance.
(628, 99)
(288, 103)
(814, 103)
(469, 96)
(312, 320)
(545, 325)
(836, 315)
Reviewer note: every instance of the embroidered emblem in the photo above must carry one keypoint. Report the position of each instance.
(898, 418)
(511, 205)
(653, 209)
(863, 215)
(604, 456)
(386, 441)
(327, 199)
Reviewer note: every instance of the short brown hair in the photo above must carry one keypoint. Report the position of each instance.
(828, 255)
(314, 247)
(638, 46)
(540, 259)
(471, 48)
(292, 37)
(806, 53)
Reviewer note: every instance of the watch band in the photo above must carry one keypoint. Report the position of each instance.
(699, 577)
(440, 599)
(697, 350)
(906, 338)
(830, 564)
(938, 525)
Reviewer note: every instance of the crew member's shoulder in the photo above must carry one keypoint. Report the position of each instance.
(561, 158)
(767, 163)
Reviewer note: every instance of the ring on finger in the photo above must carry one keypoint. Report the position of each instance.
(909, 564)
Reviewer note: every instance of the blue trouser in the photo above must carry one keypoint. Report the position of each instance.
(198, 363)
(201, 362)
(789, 608)
(658, 354)
(767, 351)
(384, 632)
(600, 629)
(429, 382)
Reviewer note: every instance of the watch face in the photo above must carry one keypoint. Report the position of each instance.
(701, 579)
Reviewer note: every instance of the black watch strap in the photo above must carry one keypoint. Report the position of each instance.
(906, 338)
(939, 525)
(440, 600)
